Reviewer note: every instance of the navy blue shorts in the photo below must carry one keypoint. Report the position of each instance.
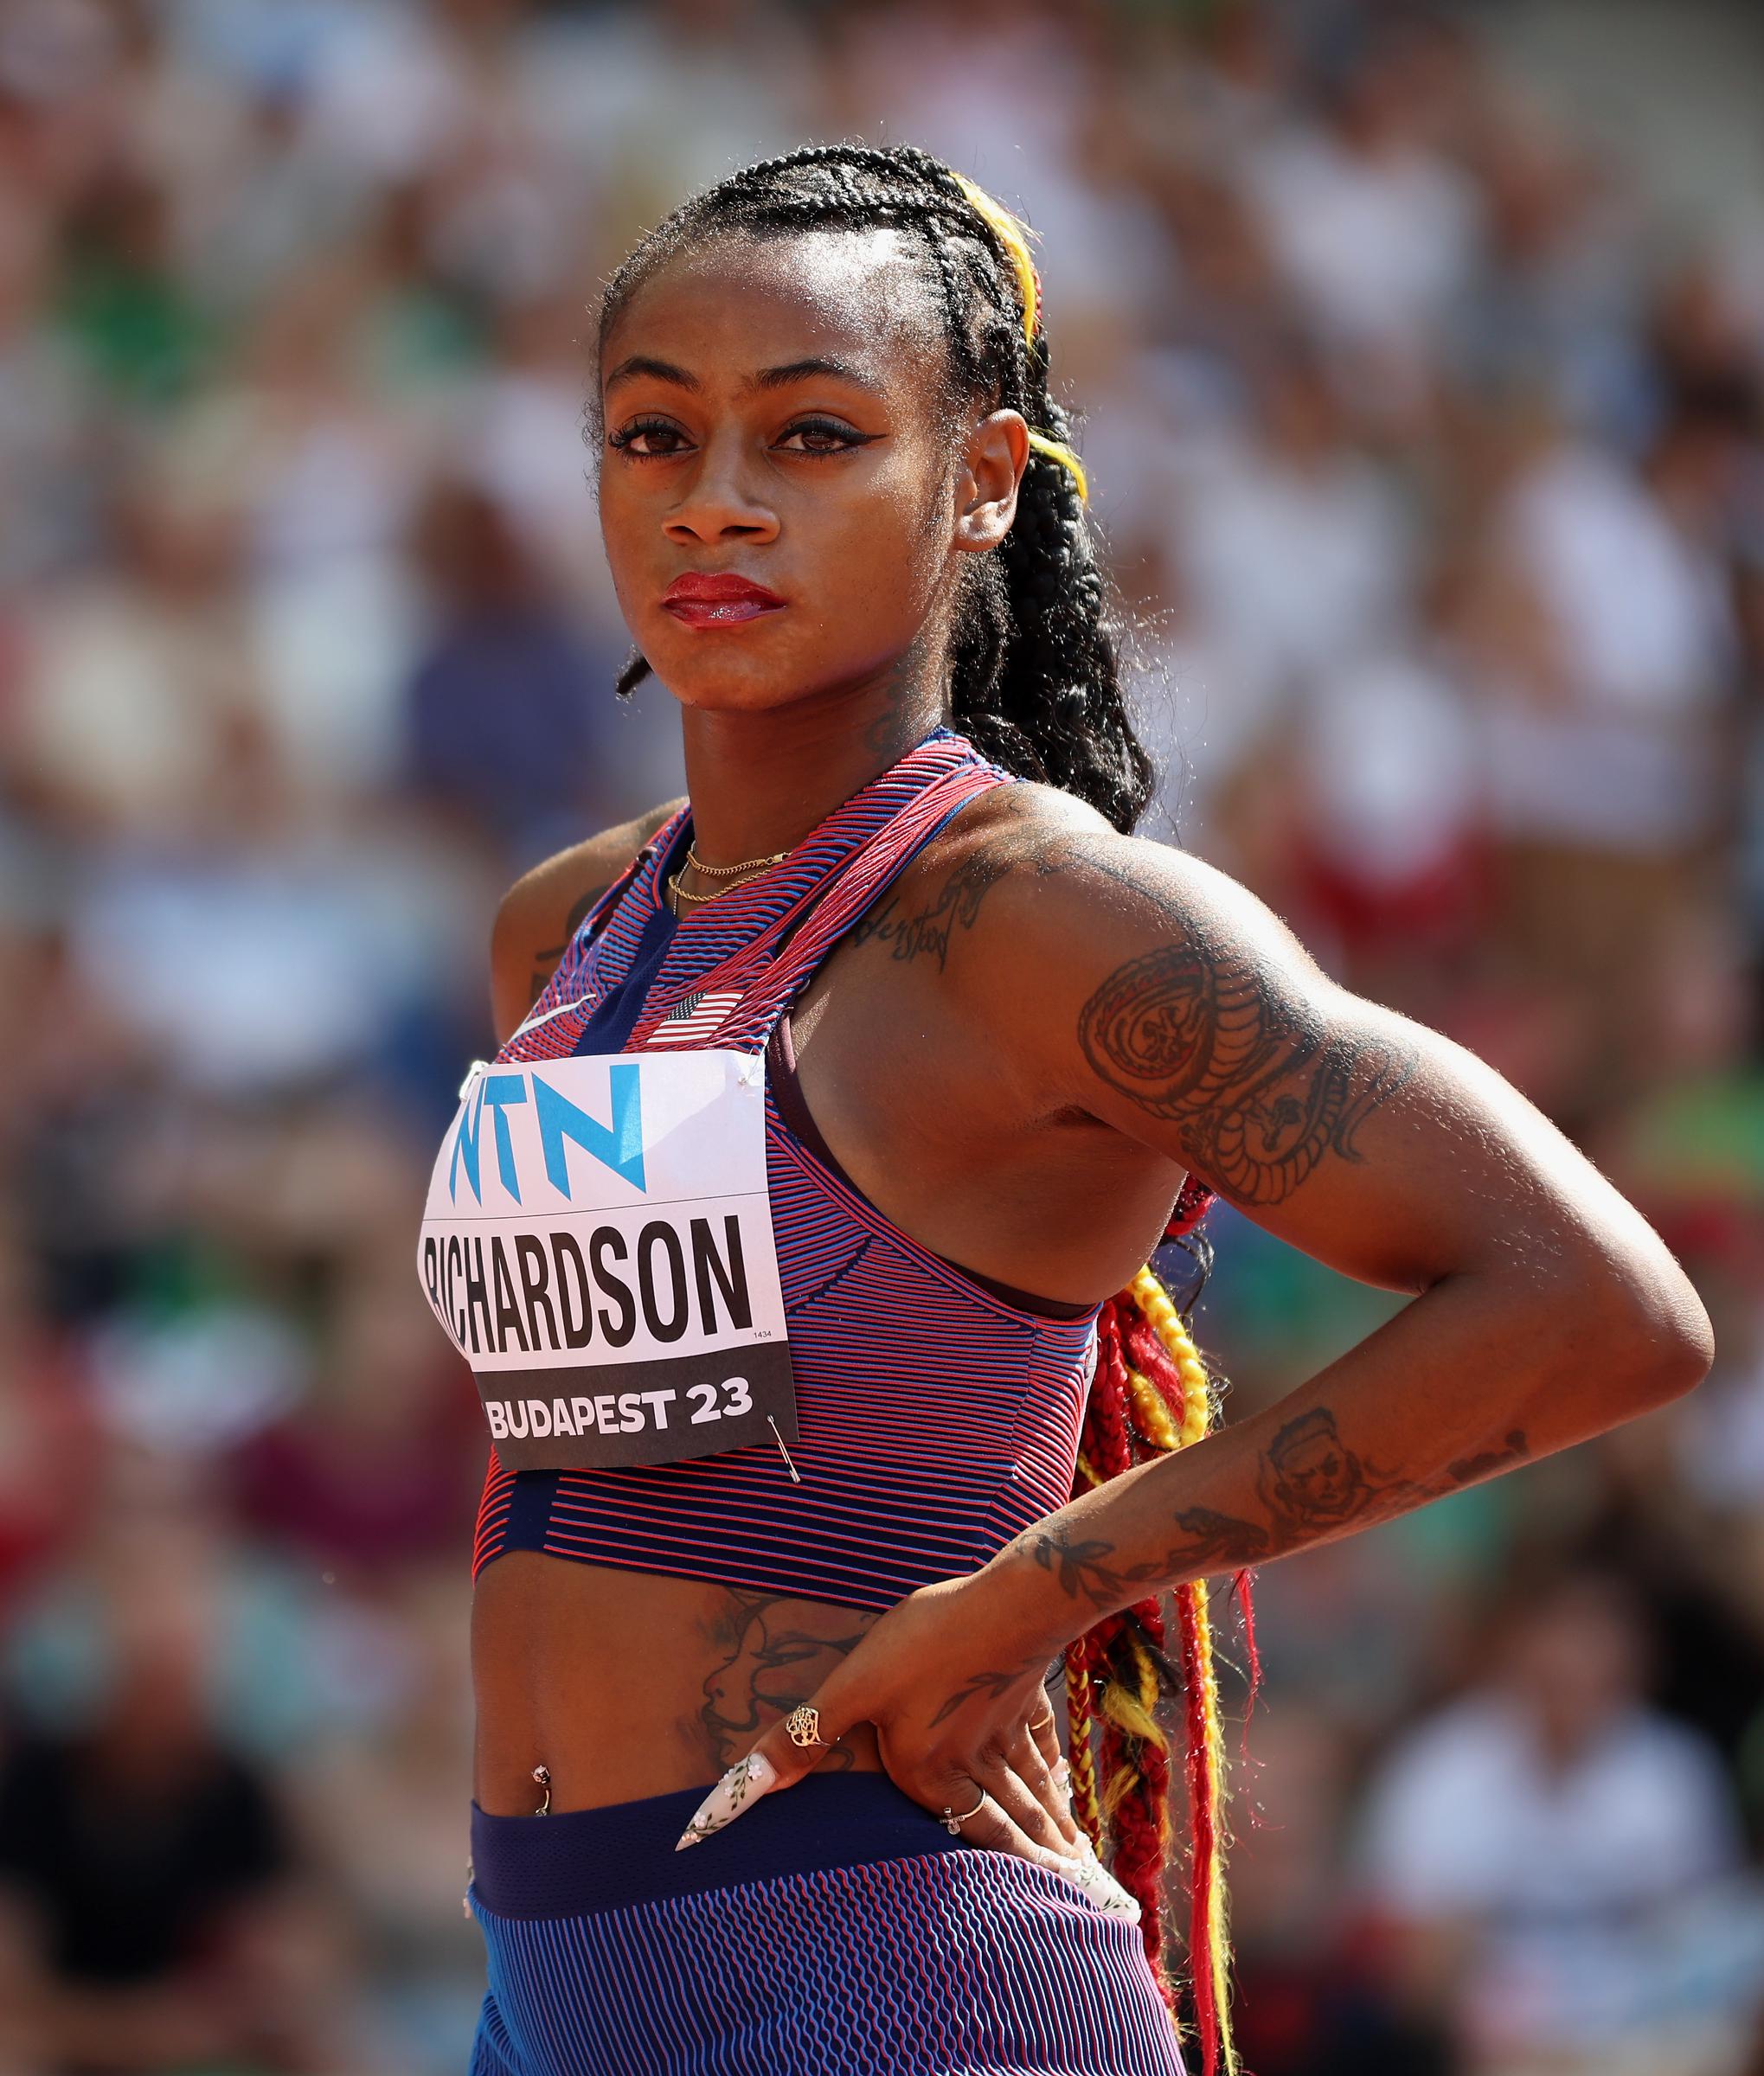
(836, 1929)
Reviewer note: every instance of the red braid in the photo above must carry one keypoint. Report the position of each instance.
(1149, 1395)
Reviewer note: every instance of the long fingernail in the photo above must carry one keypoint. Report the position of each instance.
(1094, 1879)
(745, 1782)
(1061, 1771)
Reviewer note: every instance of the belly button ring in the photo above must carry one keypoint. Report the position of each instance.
(542, 1775)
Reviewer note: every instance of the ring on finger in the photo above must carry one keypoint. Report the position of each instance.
(803, 1727)
(1041, 1721)
(952, 1823)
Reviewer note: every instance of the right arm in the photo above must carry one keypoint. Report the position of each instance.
(541, 912)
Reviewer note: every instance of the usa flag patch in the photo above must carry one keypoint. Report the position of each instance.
(695, 1017)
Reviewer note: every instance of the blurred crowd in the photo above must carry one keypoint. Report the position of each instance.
(1429, 461)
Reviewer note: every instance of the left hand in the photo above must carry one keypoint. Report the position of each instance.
(975, 1739)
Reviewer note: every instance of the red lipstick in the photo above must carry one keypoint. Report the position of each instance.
(724, 600)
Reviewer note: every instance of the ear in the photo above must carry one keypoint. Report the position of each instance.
(993, 459)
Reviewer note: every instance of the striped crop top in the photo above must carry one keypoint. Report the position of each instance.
(938, 1410)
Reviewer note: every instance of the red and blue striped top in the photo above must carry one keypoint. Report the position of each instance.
(939, 1410)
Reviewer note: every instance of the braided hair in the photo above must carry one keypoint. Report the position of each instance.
(1036, 684)
(1035, 662)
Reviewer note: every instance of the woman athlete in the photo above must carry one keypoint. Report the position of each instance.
(799, 1225)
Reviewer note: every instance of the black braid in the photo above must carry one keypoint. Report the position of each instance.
(1036, 655)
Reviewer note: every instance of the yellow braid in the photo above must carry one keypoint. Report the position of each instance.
(1154, 1301)
(1082, 1761)
(1056, 450)
(1014, 235)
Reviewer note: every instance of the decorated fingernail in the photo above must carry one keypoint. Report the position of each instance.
(745, 1782)
(1101, 1887)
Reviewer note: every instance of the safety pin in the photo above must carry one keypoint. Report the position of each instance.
(782, 1451)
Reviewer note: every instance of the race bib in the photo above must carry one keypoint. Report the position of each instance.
(597, 1244)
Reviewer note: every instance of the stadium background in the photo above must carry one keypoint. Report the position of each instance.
(1420, 352)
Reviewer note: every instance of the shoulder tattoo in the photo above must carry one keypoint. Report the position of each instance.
(924, 926)
(545, 961)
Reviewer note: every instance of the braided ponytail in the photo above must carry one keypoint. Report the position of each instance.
(1035, 684)
(1151, 1396)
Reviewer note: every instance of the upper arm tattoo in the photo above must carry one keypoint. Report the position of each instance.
(1261, 1090)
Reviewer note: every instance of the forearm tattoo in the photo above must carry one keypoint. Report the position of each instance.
(1312, 1487)
(1311, 1480)
(1261, 1089)
(774, 1653)
(1210, 1542)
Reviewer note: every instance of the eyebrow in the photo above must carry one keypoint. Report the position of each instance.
(768, 378)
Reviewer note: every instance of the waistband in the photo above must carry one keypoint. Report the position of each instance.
(577, 1861)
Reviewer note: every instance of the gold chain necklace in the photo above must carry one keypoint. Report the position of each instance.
(715, 872)
(722, 872)
(683, 894)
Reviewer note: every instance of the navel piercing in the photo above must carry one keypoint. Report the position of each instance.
(542, 1775)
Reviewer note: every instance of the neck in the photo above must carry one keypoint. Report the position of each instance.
(760, 781)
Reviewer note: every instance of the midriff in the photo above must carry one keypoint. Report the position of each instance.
(626, 1685)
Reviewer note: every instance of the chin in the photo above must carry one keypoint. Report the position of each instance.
(751, 689)
(724, 698)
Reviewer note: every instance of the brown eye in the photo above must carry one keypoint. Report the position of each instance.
(647, 428)
(815, 428)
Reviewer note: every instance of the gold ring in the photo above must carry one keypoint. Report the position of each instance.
(952, 1823)
(803, 1727)
(1042, 1719)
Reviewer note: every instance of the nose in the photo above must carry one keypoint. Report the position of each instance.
(720, 501)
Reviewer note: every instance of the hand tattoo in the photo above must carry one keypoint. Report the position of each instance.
(992, 1684)
(1263, 1089)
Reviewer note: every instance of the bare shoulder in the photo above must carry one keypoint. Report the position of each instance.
(1141, 969)
(1037, 881)
(541, 913)
(1154, 992)
(944, 908)
(1153, 889)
